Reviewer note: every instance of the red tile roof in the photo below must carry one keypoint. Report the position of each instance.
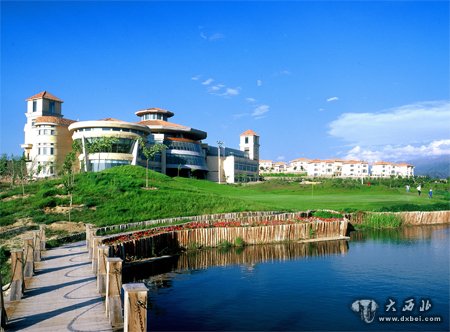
(154, 110)
(161, 123)
(249, 133)
(300, 159)
(383, 163)
(54, 119)
(111, 119)
(44, 95)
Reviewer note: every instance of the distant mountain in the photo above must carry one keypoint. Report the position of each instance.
(435, 167)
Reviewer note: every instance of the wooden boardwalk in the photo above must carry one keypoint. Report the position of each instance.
(62, 295)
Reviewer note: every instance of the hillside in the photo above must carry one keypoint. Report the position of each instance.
(117, 196)
(435, 167)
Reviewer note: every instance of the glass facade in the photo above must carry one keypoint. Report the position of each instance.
(186, 160)
(110, 144)
(100, 165)
(245, 166)
(183, 146)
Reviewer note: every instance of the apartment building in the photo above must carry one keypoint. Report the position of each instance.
(385, 169)
(341, 168)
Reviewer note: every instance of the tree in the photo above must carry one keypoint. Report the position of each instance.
(150, 152)
(100, 144)
(69, 177)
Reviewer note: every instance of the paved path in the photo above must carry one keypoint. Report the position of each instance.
(62, 295)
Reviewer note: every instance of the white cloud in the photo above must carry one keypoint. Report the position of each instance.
(195, 78)
(332, 99)
(260, 111)
(280, 158)
(213, 37)
(230, 92)
(399, 152)
(258, 82)
(321, 109)
(406, 125)
(250, 100)
(208, 81)
(216, 87)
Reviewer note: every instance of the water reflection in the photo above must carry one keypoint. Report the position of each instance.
(159, 272)
(400, 235)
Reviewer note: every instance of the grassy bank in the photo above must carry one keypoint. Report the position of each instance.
(117, 196)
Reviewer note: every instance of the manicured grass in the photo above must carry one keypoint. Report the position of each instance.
(117, 196)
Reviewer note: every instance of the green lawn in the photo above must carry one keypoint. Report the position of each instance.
(117, 196)
(295, 196)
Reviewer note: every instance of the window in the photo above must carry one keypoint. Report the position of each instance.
(45, 151)
(46, 132)
(34, 105)
(51, 107)
(246, 140)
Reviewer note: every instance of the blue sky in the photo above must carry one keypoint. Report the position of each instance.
(366, 80)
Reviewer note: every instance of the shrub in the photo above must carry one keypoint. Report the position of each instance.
(224, 244)
(326, 214)
(193, 246)
(5, 268)
(239, 242)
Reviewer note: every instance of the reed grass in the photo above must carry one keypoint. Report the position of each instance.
(381, 220)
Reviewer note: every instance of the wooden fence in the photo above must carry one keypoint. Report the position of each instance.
(408, 218)
(171, 242)
(202, 218)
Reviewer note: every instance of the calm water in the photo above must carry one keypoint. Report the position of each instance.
(304, 286)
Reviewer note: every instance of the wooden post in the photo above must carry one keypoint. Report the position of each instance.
(91, 242)
(37, 245)
(113, 287)
(88, 235)
(135, 307)
(95, 242)
(29, 257)
(17, 283)
(102, 254)
(3, 316)
(43, 239)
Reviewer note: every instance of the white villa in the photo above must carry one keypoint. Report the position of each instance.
(385, 169)
(111, 142)
(339, 168)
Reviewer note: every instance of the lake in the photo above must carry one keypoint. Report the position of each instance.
(400, 274)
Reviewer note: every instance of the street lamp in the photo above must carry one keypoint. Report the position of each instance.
(219, 146)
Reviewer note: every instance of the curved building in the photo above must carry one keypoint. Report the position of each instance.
(185, 155)
(108, 142)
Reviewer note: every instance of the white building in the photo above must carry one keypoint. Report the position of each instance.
(321, 168)
(298, 165)
(47, 138)
(235, 165)
(265, 166)
(385, 169)
(355, 169)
